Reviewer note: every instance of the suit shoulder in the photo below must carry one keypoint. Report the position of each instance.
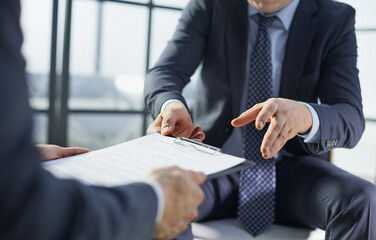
(333, 15)
(335, 9)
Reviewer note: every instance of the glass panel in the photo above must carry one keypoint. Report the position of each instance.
(40, 127)
(96, 131)
(367, 56)
(36, 22)
(149, 120)
(163, 27)
(361, 160)
(108, 72)
(84, 38)
(171, 3)
(365, 12)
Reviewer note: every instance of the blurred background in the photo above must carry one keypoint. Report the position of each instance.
(87, 61)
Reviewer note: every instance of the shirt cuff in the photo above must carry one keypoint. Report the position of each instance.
(164, 105)
(160, 196)
(313, 134)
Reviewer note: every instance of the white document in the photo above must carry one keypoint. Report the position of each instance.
(131, 161)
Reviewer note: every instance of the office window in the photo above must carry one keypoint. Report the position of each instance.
(108, 59)
(83, 129)
(36, 26)
(40, 127)
(94, 55)
(171, 3)
(84, 38)
(163, 27)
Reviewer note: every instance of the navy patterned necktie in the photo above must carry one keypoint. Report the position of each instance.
(257, 184)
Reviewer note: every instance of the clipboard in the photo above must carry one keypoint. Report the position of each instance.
(129, 161)
(208, 149)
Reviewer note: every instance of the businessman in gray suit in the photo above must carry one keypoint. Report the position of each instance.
(291, 63)
(35, 205)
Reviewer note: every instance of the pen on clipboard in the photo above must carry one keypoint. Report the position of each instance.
(202, 147)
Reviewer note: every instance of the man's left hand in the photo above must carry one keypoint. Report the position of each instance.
(287, 118)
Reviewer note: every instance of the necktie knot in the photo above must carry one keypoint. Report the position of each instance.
(265, 22)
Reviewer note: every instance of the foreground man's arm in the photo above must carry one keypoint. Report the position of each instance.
(35, 205)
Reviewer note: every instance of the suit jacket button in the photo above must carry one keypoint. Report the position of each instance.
(227, 129)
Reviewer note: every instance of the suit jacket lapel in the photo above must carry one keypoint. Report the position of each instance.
(236, 44)
(298, 44)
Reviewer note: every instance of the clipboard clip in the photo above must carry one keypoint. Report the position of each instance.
(202, 147)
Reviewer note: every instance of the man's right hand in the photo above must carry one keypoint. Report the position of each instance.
(175, 120)
(182, 195)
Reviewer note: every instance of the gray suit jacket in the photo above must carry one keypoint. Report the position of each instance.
(320, 63)
(34, 204)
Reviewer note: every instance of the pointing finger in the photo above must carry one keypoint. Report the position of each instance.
(247, 116)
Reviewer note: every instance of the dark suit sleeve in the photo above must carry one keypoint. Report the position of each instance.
(180, 58)
(341, 116)
(34, 204)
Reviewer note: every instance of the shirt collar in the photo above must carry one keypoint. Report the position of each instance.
(285, 15)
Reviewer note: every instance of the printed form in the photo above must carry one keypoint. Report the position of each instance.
(131, 161)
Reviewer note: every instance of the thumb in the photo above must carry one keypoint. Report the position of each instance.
(168, 125)
(156, 125)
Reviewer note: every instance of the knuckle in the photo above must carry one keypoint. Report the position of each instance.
(275, 128)
(174, 168)
(268, 138)
(283, 139)
(256, 105)
(279, 126)
(273, 101)
(179, 180)
(274, 104)
(288, 113)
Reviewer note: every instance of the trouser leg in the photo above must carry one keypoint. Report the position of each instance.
(312, 192)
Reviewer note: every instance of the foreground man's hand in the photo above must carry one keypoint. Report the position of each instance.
(50, 152)
(182, 195)
(175, 120)
(287, 118)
